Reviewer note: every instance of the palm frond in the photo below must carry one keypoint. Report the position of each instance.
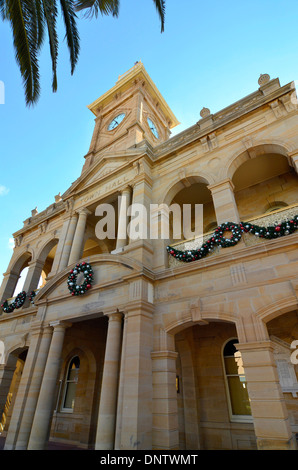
(20, 15)
(50, 13)
(161, 9)
(39, 22)
(72, 35)
(94, 7)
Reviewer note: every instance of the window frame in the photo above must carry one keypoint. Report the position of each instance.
(233, 417)
(64, 409)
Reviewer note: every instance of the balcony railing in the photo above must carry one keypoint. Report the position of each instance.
(269, 219)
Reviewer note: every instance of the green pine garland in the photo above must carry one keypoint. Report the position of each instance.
(218, 238)
(84, 268)
(17, 303)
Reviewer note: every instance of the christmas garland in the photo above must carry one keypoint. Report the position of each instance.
(86, 269)
(31, 296)
(17, 303)
(218, 238)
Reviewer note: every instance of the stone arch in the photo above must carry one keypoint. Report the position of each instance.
(93, 246)
(180, 183)
(253, 151)
(193, 191)
(275, 309)
(45, 249)
(20, 260)
(174, 327)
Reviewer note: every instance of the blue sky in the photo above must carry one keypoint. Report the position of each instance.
(210, 55)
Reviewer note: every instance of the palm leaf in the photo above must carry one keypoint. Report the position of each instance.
(161, 8)
(21, 17)
(105, 7)
(39, 20)
(72, 35)
(50, 14)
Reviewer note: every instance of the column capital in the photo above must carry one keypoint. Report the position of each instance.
(226, 183)
(83, 211)
(36, 263)
(39, 328)
(255, 346)
(56, 324)
(127, 189)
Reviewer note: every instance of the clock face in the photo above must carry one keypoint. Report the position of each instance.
(152, 128)
(116, 121)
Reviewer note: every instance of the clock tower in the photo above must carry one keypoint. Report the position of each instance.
(129, 113)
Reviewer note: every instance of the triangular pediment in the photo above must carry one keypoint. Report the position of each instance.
(107, 165)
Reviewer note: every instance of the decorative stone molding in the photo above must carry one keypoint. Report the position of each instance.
(278, 109)
(42, 227)
(18, 240)
(195, 309)
(263, 79)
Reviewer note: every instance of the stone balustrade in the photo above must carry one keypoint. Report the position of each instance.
(272, 218)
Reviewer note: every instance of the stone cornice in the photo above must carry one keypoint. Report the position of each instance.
(220, 119)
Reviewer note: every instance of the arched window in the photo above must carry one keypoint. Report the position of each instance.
(236, 383)
(71, 384)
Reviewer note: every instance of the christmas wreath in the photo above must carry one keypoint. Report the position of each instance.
(84, 268)
(218, 238)
(17, 303)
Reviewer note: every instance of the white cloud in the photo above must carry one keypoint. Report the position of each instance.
(11, 243)
(3, 190)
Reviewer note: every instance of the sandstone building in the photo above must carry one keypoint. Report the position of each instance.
(176, 345)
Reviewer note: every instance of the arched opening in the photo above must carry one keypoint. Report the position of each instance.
(210, 380)
(20, 269)
(93, 246)
(283, 332)
(10, 381)
(74, 420)
(188, 194)
(264, 184)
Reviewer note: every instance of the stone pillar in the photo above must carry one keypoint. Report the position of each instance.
(135, 422)
(44, 337)
(294, 158)
(64, 244)
(33, 275)
(165, 409)
(270, 416)
(77, 244)
(105, 436)
(8, 285)
(124, 203)
(37, 352)
(6, 374)
(46, 401)
(224, 202)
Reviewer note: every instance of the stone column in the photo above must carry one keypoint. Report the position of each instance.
(37, 351)
(8, 285)
(135, 421)
(124, 203)
(224, 202)
(294, 157)
(77, 244)
(33, 275)
(270, 416)
(105, 436)
(6, 374)
(44, 337)
(46, 401)
(165, 409)
(65, 243)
